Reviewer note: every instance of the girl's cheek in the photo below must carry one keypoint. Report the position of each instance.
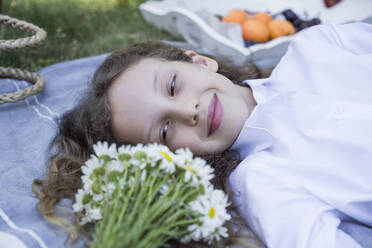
(182, 141)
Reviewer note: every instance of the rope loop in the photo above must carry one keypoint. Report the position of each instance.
(34, 40)
(5, 72)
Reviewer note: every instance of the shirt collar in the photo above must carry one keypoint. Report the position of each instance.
(254, 137)
(258, 88)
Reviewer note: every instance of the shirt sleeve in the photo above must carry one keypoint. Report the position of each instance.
(328, 60)
(284, 214)
(353, 37)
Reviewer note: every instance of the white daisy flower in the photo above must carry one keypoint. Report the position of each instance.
(102, 148)
(167, 159)
(109, 188)
(153, 148)
(159, 151)
(137, 148)
(185, 154)
(195, 232)
(90, 165)
(167, 166)
(217, 234)
(87, 182)
(78, 205)
(152, 151)
(198, 172)
(94, 214)
(212, 206)
(180, 161)
(97, 197)
(115, 165)
(125, 149)
(84, 220)
(135, 162)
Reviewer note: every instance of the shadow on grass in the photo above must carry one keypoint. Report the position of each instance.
(76, 28)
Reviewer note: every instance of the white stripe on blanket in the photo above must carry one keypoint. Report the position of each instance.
(42, 105)
(36, 110)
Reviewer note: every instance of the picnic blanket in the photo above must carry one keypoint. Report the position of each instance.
(27, 129)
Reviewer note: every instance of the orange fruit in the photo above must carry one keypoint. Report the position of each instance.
(262, 17)
(278, 28)
(254, 30)
(235, 16)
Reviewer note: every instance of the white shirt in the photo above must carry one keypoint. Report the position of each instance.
(306, 148)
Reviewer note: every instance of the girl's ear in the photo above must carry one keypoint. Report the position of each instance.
(203, 61)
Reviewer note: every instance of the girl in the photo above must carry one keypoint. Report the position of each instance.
(302, 135)
(92, 120)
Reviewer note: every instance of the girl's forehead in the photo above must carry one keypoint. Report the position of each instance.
(153, 61)
(135, 75)
(150, 67)
(159, 63)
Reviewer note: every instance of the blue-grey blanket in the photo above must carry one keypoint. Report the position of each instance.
(27, 129)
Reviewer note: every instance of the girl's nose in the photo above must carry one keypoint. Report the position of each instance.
(187, 112)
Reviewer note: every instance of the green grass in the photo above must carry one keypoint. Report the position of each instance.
(76, 28)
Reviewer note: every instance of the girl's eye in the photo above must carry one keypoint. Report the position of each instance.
(163, 132)
(173, 85)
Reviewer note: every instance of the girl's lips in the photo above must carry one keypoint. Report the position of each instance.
(215, 113)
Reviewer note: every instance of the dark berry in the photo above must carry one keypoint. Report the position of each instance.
(315, 21)
(303, 25)
(297, 22)
(289, 15)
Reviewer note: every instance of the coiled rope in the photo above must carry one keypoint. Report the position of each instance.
(5, 72)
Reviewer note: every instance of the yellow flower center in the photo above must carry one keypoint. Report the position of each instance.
(212, 212)
(191, 170)
(166, 156)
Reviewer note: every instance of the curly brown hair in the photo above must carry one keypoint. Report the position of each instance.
(89, 122)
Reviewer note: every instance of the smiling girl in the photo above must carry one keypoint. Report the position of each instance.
(293, 150)
(150, 92)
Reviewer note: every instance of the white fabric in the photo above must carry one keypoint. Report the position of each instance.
(307, 146)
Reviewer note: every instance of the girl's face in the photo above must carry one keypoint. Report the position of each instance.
(169, 102)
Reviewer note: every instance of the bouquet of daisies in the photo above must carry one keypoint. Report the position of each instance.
(143, 196)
